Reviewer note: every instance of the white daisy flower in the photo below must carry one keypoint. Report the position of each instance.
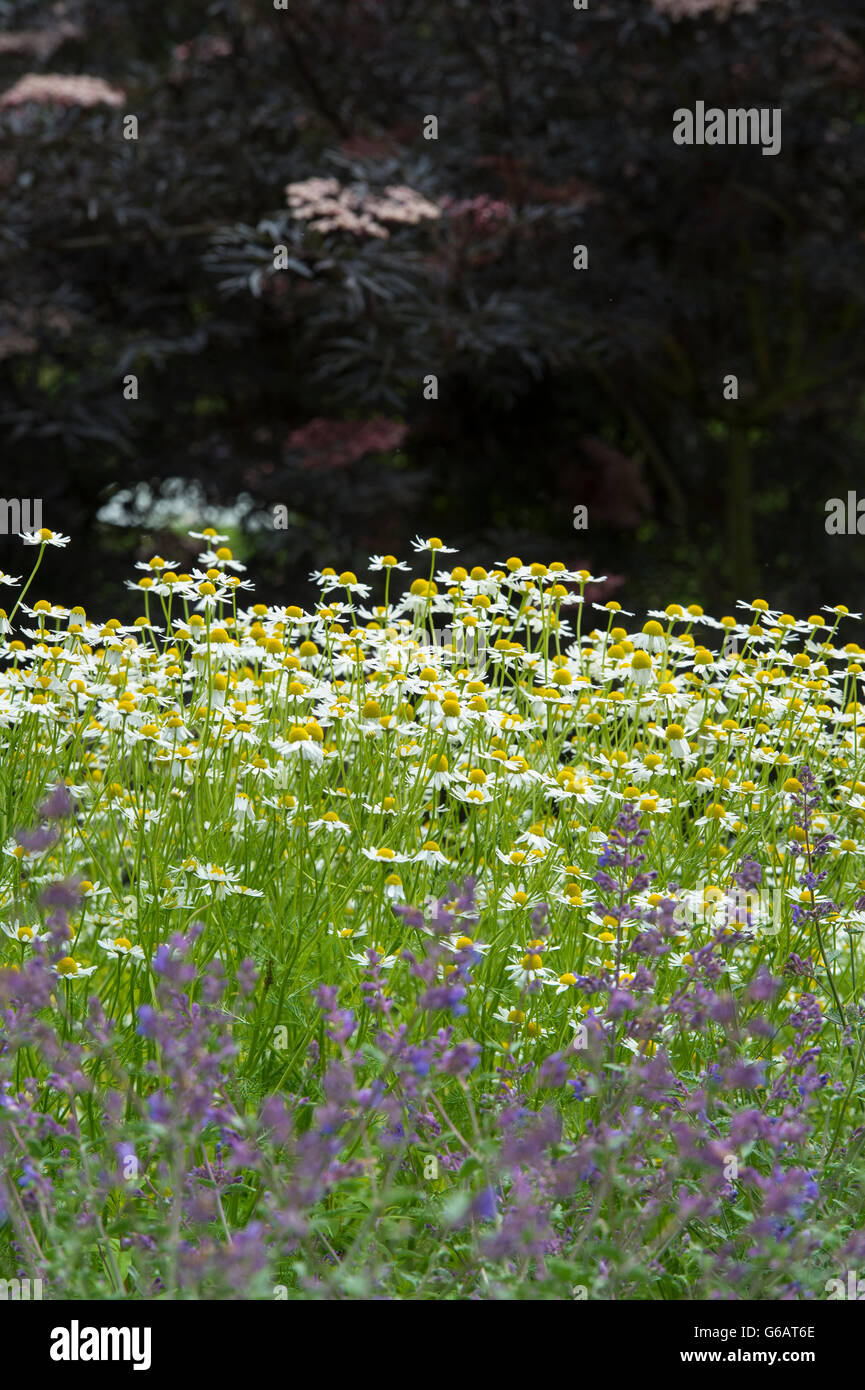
(44, 537)
(387, 562)
(22, 931)
(209, 535)
(386, 855)
(69, 969)
(121, 946)
(431, 546)
(330, 822)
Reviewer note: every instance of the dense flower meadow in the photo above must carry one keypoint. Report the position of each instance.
(459, 937)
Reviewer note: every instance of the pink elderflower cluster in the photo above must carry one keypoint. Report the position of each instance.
(61, 89)
(203, 49)
(40, 42)
(329, 206)
(693, 9)
(20, 326)
(337, 443)
(482, 216)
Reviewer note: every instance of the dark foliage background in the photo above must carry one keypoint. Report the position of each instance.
(304, 386)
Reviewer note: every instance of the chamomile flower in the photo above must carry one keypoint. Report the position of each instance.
(432, 545)
(67, 968)
(462, 944)
(652, 638)
(44, 537)
(22, 931)
(471, 794)
(301, 743)
(210, 535)
(641, 670)
(331, 823)
(430, 853)
(121, 948)
(221, 558)
(385, 855)
(387, 562)
(384, 962)
(348, 932)
(517, 1022)
(532, 966)
(718, 815)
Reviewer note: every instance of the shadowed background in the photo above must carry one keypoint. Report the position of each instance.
(303, 386)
